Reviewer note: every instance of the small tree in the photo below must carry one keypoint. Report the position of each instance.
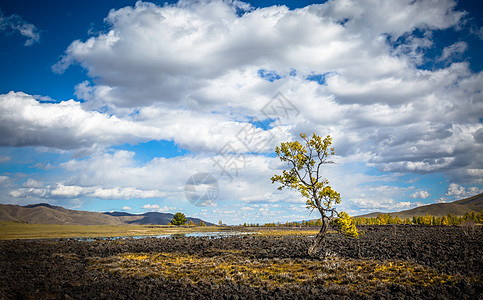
(179, 219)
(305, 176)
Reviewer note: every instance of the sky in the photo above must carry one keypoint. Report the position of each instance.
(178, 106)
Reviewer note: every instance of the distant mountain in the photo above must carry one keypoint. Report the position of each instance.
(44, 213)
(459, 208)
(153, 218)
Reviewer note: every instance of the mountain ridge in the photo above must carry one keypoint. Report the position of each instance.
(458, 208)
(150, 218)
(44, 213)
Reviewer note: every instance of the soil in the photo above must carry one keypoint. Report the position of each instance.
(69, 269)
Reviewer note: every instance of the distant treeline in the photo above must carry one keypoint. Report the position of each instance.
(201, 223)
(450, 219)
(386, 219)
(287, 224)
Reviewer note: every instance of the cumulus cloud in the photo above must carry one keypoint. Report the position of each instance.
(420, 195)
(149, 50)
(459, 191)
(126, 208)
(27, 122)
(34, 189)
(15, 24)
(201, 73)
(149, 206)
(120, 169)
(371, 90)
(157, 208)
(249, 188)
(69, 126)
(383, 205)
(118, 176)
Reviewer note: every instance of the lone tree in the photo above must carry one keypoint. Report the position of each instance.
(179, 219)
(305, 176)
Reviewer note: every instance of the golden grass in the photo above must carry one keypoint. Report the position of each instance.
(14, 230)
(232, 266)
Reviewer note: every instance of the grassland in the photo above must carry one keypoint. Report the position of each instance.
(404, 262)
(14, 230)
(234, 267)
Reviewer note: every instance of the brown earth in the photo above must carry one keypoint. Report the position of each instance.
(406, 262)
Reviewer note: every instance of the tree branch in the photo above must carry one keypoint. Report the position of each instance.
(297, 172)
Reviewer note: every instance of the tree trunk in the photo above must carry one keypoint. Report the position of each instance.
(317, 244)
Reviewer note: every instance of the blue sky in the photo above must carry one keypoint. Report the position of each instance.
(115, 105)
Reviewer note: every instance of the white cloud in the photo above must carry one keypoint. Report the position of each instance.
(4, 179)
(43, 166)
(459, 191)
(32, 183)
(189, 73)
(453, 51)
(479, 32)
(27, 122)
(420, 195)
(156, 46)
(117, 173)
(67, 125)
(15, 23)
(374, 94)
(157, 208)
(395, 18)
(383, 205)
(126, 208)
(151, 206)
(119, 169)
(33, 188)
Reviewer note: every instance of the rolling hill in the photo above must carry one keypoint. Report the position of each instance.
(48, 214)
(43, 213)
(154, 218)
(459, 208)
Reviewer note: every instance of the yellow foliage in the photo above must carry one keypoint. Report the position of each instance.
(345, 225)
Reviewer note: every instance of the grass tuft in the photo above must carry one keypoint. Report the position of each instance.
(272, 273)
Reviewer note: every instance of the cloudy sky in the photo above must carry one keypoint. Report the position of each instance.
(142, 106)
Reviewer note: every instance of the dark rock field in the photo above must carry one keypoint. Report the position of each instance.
(117, 269)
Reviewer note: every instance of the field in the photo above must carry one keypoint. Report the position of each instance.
(15, 230)
(388, 261)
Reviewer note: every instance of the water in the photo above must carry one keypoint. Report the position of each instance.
(215, 235)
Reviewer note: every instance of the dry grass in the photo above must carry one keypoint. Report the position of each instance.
(232, 266)
(14, 230)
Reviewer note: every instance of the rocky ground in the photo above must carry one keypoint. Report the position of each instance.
(387, 262)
